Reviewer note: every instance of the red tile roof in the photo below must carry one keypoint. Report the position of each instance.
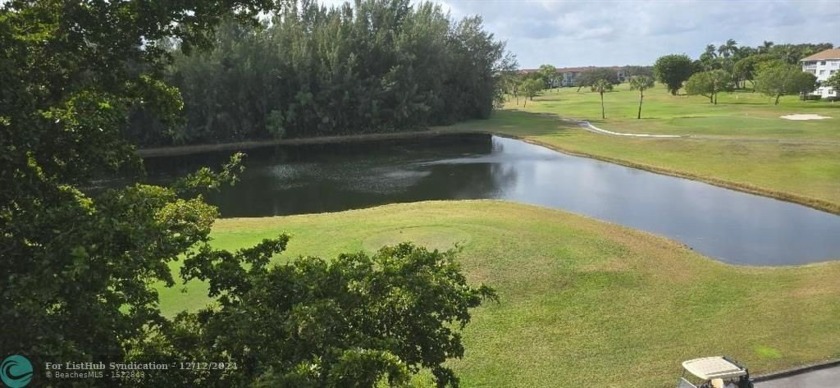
(823, 55)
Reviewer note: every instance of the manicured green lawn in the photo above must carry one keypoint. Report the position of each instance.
(583, 302)
(587, 303)
(737, 114)
(745, 144)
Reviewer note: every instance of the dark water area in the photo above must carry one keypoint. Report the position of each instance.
(728, 225)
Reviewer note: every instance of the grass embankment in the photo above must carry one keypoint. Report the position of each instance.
(744, 144)
(583, 302)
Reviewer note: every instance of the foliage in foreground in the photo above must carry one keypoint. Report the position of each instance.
(81, 269)
(352, 321)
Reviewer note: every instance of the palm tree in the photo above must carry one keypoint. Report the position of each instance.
(709, 58)
(728, 49)
(602, 86)
(640, 83)
(765, 48)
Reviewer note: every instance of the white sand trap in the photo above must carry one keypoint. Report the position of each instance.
(804, 117)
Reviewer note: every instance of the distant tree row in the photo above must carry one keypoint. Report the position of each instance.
(771, 69)
(377, 66)
(530, 84)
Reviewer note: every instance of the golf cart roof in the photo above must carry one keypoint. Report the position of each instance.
(708, 368)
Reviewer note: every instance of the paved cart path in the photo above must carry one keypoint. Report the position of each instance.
(822, 378)
(591, 128)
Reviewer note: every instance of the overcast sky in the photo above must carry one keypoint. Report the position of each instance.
(636, 32)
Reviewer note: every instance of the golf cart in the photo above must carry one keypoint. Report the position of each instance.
(714, 372)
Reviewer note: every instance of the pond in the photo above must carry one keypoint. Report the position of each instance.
(731, 226)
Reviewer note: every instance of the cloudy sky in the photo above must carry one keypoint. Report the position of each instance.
(636, 32)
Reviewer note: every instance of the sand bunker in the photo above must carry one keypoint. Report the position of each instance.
(804, 117)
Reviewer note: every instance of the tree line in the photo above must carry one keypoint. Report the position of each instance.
(597, 79)
(771, 69)
(547, 77)
(309, 70)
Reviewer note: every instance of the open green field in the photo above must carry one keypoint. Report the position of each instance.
(744, 144)
(583, 302)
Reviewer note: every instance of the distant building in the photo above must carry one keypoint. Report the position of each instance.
(823, 65)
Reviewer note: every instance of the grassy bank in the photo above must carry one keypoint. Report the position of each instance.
(248, 145)
(741, 143)
(744, 144)
(583, 302)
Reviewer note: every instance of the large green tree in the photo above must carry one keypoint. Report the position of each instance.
(530, 88)
(641, 83)
(783, 79)
(708, 83)
(673, 70)
(745, 69)
(549, 76)
(78, 269)
(81, 267)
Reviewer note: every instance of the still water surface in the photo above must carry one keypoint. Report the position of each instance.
(732, 226)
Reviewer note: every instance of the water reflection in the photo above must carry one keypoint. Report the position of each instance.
(732, 226)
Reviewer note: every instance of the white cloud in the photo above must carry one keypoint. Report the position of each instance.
(620, 32)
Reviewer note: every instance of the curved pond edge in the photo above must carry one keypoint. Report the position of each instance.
(814, 203)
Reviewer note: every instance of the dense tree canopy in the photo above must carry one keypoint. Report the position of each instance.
(70, 73)
(783, 79)
(746, 68)
(708, 83)
(741, 61)
(792, 53)
(378, 66)
(589, 77)
(80, 267)
(673, 70)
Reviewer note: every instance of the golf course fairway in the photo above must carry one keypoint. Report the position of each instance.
(582, 302)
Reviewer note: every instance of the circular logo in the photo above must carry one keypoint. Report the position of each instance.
(16, 371)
